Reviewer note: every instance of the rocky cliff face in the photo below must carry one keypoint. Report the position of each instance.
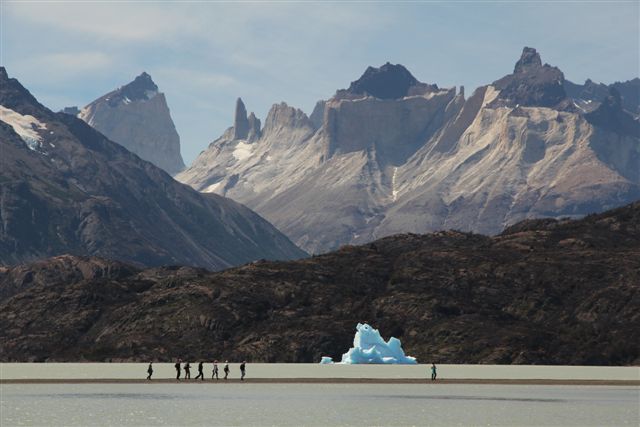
(542, 292)
(137, 117)
(66, 188)
(391, 155)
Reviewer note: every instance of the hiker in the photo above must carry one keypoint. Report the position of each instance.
(200, 374)
(187, 371)
(215, 370)
(150, 370)
(177, 365)
(226, 369)
(242, 367)
(433, 372)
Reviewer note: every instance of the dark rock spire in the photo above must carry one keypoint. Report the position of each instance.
(530, 59)
(240, 121)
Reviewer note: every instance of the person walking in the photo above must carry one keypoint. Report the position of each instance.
(150, 370)
(187, 371)
(215, 370)
(200, 373)
(226, 369)
(434, 374)
(242, 370)
(177, 366)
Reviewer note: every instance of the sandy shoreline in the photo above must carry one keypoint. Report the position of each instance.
(326, 381)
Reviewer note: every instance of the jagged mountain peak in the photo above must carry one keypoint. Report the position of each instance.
(240, 121)
(283, 115)
(137, 117)
(531, 84)
(389, 81)
(530, 59)
(245, 127)
(141, 88)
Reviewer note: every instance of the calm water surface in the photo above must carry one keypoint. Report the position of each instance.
(317, 404)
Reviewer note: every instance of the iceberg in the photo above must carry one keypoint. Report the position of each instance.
(370, 347)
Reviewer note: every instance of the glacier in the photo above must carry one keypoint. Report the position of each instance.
(370, 347)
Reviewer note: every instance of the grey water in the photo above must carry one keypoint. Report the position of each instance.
(317, 405)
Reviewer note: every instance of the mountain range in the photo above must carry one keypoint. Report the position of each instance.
(66, 188)
(391, 154)
(542, 292)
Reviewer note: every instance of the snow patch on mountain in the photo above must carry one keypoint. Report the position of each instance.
(394, 191)
(25, 125)
(243, 150)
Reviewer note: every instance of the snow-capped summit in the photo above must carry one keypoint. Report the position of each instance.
(137, 117)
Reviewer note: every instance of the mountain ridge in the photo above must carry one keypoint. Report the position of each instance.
(363, 167)
(561, 292)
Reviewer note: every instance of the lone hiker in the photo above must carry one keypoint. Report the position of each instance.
(434, 374)
(226, 369)
(242, 368)
(187, 371)
(150, 370)
(215, 370)
(200, 374)
(177, 365)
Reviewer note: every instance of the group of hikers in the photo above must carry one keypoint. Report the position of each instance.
(214, 373)
(187, 370)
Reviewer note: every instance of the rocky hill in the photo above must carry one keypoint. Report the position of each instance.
(542, 292)
(137, 117)
(390, 154)
(66, 188)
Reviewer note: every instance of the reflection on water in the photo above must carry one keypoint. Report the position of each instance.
(317, 404)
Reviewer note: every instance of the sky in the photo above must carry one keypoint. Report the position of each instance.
(204, 54)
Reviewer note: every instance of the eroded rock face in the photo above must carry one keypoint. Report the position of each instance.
(423, 158)
(66, 188)
(394, 129)
(137, 117)
(543, 292)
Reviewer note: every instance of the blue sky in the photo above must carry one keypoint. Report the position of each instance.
(203, 55)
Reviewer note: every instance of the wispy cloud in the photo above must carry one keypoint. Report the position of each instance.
(106, 21)
(205, 54)
(196, 79)
(66, 65)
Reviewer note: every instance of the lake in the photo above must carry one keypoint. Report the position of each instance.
(317, 404)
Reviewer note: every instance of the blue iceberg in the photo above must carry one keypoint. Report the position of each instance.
(370, 347)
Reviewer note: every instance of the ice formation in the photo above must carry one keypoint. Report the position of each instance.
(370, 347)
